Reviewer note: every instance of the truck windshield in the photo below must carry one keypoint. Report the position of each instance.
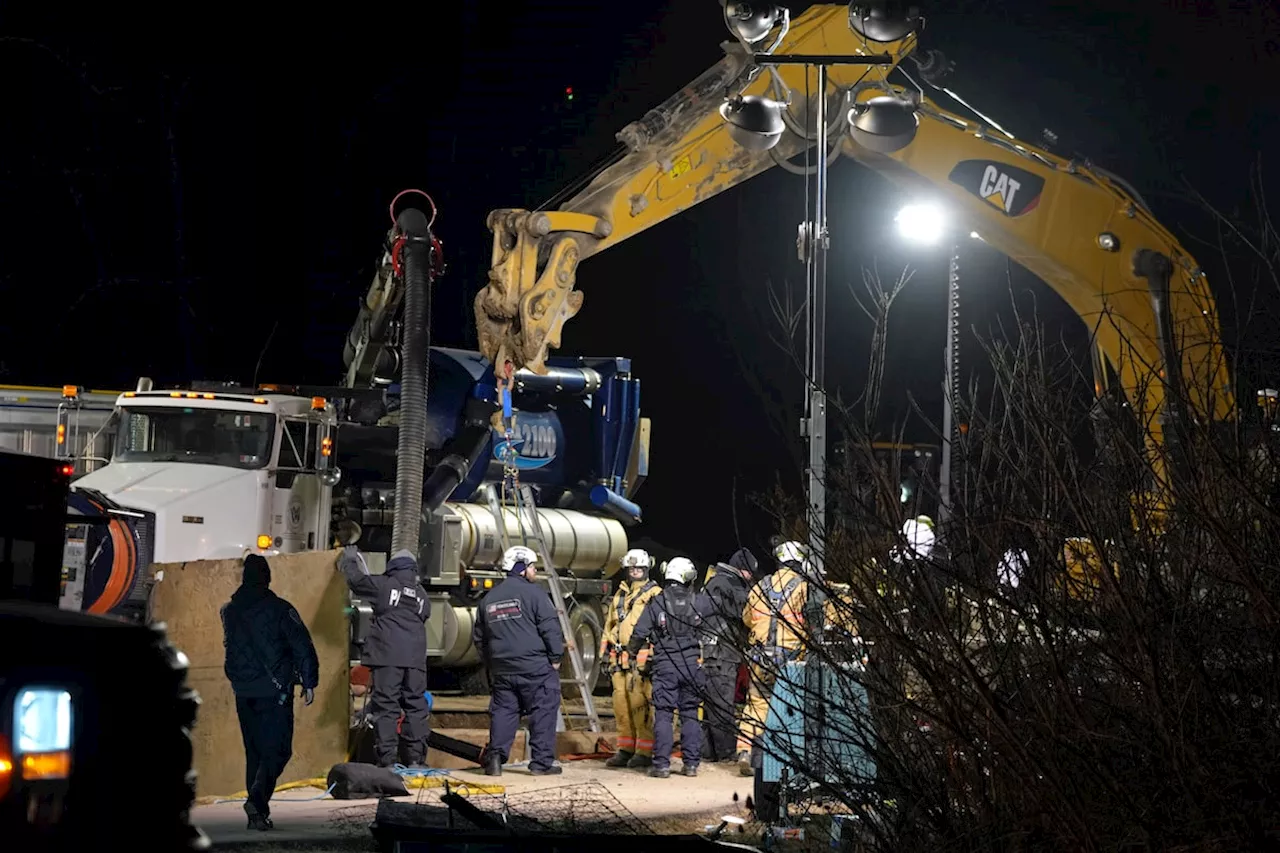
(202, 436)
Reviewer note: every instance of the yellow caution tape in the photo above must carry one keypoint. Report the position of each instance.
(462, 789)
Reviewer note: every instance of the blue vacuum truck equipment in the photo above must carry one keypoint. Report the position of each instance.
(410, 450)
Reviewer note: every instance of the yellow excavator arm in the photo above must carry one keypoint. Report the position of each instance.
(1076, 227)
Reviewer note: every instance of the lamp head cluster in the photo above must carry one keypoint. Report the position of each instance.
(883, 124)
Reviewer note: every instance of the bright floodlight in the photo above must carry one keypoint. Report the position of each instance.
(922, 223)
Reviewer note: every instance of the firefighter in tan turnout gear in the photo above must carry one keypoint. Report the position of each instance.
(773, 616)
(632, 689)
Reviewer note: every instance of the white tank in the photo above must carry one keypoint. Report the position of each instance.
(587, 546)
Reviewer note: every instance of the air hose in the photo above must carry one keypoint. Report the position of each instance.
(415, 255)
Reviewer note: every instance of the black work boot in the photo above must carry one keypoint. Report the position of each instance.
(689, 770)
(619, 759)
(639, 760)
(492, 764)
(553, 770)
(660, 772)
(257, 820)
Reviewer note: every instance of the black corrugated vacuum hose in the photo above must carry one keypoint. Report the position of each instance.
(415, 358)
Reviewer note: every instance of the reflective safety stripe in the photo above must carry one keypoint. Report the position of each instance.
(626, 743)
(644, 744)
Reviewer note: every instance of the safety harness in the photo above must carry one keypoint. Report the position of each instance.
(625, 604)
(777, 600)
(618, 659)
(689, 620)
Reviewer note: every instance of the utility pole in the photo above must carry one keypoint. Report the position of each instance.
(814, 242)
(816, 414)
(951, 387)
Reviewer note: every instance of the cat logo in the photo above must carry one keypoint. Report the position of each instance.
(1013, 191)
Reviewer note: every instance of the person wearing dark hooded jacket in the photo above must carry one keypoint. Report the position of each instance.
(268, 651)
(395, 653)
(724, 637)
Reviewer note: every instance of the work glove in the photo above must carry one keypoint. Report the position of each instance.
(349, 552)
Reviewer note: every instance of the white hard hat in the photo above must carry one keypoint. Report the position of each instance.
(518, 554)
(790, 552)
(637, 558)
(680, 570)
(919, 535)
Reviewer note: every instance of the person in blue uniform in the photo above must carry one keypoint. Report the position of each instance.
(672, 621)
(395, 653)
(518, 635)
(268, 651)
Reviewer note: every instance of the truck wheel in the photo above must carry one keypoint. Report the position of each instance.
(587, 628)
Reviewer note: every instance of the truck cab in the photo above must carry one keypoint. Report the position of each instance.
(214, 474)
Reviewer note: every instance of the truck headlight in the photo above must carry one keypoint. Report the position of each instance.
(42, 732)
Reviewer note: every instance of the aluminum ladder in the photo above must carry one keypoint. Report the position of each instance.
(531, 527)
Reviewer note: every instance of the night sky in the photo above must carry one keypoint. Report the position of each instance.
(198, 206)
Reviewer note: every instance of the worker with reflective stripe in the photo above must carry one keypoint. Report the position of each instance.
(632, 689)
(774, 615)
(673, 622)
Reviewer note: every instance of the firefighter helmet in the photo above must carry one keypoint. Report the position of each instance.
(517, 555)
(680, 570)
(637, 558)
(791, 554)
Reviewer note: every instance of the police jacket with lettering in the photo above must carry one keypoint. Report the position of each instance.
(268, 649)
(672, 621)
(400, 610)
(517, 630)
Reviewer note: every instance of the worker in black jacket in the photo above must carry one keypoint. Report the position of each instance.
(724, 637)
(672, 622)
(517, 632)
(268, 651)
(395, 653)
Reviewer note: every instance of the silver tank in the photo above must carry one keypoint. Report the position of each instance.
(458, 649)
(587, 546)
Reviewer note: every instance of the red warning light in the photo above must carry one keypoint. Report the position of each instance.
(568, 93)
(67, 470)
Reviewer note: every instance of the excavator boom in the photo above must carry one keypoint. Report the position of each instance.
(1078, 228)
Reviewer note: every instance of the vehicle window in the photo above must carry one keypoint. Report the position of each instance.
(294, 449)
(233, 439)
